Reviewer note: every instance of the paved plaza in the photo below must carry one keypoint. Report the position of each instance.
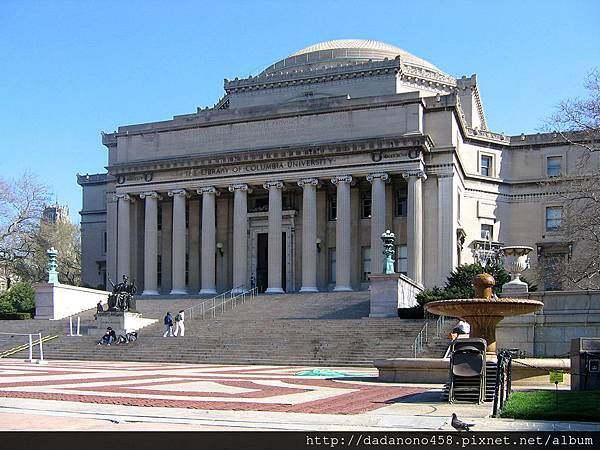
(72, 395)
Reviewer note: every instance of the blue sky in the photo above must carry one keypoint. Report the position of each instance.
(69, 69)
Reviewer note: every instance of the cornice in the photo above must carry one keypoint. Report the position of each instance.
(415, 143)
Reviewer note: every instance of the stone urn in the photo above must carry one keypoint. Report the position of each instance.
(515, 260)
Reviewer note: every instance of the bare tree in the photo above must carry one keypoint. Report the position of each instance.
(577, 122)
(22, 202)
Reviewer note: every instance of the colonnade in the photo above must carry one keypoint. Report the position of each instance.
(240, 233)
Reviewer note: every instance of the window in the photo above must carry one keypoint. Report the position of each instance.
(553, 264)
(366, 263)
(104, 242)
(187, 216)
(159, 218)
(365, 205)
(402, 259)
(187, 268)
(159, 269)
(554, 166)
(332, 263)
(553, 218)
(400, 204)
(332, 207)
(486, 166)
(487, 232)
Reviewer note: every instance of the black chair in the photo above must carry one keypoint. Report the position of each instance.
(467, 370)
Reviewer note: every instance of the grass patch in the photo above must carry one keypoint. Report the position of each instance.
(541, 405)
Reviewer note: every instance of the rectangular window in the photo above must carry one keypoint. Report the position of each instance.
(159, 269)
(365, 205)
(366, 263)
(554, 166)
(487, 232)
(159, 218)
(486, 166)
(332, 207)
(402, 259)
(187, 216)
(553, 266)
(332, 264)
(400, 204)
(553, 218)
(105, 242)
(187, 269)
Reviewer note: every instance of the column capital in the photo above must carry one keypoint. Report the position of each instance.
(208, 190)
(125, 197)
(342, 179)
(384, 176)
(180, 192)
(151, 194)
(418, 173)
(273, 185)
(308, 181)
(239, 187)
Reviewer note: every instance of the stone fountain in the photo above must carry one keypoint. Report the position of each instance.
(484, 311)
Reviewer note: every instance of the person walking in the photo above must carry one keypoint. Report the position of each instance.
(168, 325)
(179, 325)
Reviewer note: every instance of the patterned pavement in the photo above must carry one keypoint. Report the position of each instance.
(204, 387)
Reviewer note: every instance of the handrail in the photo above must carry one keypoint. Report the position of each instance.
(30, 344)
(219, 302)
(417, 345)
(423, 337)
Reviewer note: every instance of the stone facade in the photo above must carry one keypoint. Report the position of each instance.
(290, 179)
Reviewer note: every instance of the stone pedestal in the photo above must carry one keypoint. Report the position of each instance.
(121, 322)
(514, 288)
(390, 292)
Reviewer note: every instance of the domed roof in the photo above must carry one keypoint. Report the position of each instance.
(345, 50)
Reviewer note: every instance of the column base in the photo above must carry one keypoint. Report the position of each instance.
(178, 292)
(274, 290)
(150, 292)
(342, 289)
(308, 289)
(207, 292)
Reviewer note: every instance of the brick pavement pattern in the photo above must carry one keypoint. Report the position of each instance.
(205, 387)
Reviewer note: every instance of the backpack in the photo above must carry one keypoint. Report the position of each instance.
(178, 318)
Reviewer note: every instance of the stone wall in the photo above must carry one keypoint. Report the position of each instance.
(566, 315)
(57, 301)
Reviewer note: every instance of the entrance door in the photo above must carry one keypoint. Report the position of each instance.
(262, 261)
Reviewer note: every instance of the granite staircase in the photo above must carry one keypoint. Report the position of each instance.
(295, 329)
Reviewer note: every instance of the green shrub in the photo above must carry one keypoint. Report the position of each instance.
(20, 298)
(14, 316)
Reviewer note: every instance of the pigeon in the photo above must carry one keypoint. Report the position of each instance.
(459, 425)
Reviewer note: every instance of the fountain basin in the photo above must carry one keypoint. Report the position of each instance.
(483, 313)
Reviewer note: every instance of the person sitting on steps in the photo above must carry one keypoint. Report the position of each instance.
(461, 328)
(109, 337)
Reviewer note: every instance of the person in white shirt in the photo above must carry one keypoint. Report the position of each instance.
(179, 325)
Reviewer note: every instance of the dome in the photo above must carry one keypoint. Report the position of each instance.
(345, 51)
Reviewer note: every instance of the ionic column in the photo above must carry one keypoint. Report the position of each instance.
(309, 234)
(179, 241)
(150, 242)
(209, 240)
(342, 233)
(275, 244)
(240, 235)
(123, 236)
(415, 224)
(377, 219)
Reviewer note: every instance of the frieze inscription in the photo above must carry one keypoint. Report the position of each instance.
(267, 166)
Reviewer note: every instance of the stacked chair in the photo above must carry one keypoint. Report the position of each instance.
(467, 371)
